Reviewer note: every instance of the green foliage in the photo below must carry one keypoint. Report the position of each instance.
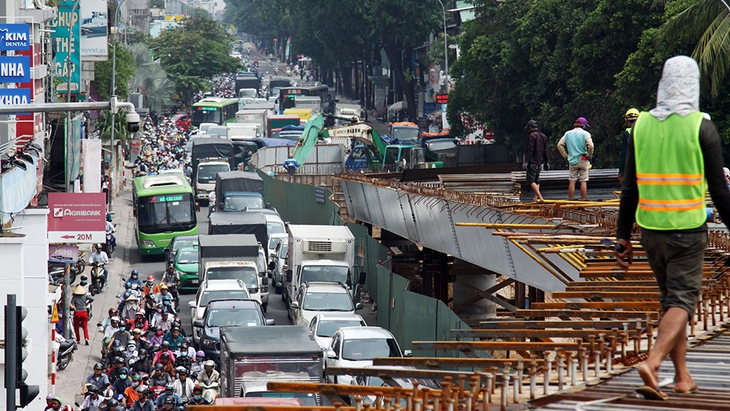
(157, 4)
(150, 79)
(193, 53)
(195, 12)
(125, 69)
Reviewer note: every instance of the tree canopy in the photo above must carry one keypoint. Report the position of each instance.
(125, 68)
(193, 53)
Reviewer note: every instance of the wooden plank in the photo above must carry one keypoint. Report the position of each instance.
(605, 305)
(395, 372)
(606, 295)
(338, 388)
(517, 333)
(581, 324)
(493, 345)
(623, 315)
(435, 362)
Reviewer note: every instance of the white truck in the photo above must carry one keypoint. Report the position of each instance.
(257, 116)
(243, 131)
(206, 173)
(321, 253)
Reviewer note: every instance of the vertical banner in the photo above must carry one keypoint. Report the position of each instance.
(91, 150)
(94, 46)
(73, 148)
(67, 64)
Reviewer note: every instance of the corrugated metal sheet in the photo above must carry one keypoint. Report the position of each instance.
(393, 214)
(418, 319)
(323, 159)
(482, 154)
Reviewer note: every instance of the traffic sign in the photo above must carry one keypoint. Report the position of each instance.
(76, 218)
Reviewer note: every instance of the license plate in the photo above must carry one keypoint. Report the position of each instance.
(195, 281)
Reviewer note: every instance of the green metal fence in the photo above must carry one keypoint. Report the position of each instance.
(408, 315)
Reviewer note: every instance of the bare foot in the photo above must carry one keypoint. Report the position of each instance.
(685, 387)
(648, 375)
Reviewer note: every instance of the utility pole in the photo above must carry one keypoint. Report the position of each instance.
(446, 49)
(69, 128)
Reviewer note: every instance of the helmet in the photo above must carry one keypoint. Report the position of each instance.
(181, 369)
(116, 344)
(210, 363)
(169, 400)
(98, 366)
(92, 388)
(163, 287)
(128, 285)
(119, 360)
(200, 353)
(165, 355)
(108, 217)
(112, 403)
(112, 310)
(159, 366)
(135, 272)
(136, 377)
(115, 319)
(166, 344)
(141, 353)
(631, 114)
(150, 278)
(169, 387)
(98, 246)
(140, 312)
(142, 389)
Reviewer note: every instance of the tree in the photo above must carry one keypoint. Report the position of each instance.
(193, 53)
(150, 79)
(125, 68)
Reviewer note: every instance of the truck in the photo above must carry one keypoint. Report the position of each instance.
(248, 80)
(278, 121)
(252, 356)
(321, 253)
(205, 173)
(239, 191)
(243, 131)
(257, 116)
(234, 256)
(207, 149)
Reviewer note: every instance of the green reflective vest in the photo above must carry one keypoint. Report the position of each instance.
(670, 172)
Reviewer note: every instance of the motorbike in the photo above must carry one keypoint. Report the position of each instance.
(210, 390)
(97, 278)
(56, 270)
(111, 244)
(65, 351)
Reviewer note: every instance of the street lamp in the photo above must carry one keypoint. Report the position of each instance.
(446, 48)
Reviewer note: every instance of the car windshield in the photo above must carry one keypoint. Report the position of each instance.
(187, 257)
(327, 328)
(441, 145)
(246, 274)
(325, 273)
(275, 227)
(208, 296)
(181, 243)
(207, 172)
(243, 202)
(327, 302)
(405, 135)
(233, 317)
(367, 349)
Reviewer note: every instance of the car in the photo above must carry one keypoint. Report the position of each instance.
(181, 241)
(214, 290)
(356, 347)
(186, 267)
(182, 120)
(227, 313)
(386, 380)
(324, 325)
(313, 298)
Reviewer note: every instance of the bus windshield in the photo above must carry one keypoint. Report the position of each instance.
(169, 212)
(206, 115)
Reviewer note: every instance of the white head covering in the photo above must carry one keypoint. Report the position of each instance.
(679, 88)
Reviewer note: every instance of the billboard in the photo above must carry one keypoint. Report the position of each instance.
(14, 36)
(76, 217)
(94, 45)
(67, 64)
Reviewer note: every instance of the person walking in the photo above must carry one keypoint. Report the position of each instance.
(81, 315)
(671, 153)
(536, 156)
(576, 146)
(630, 117)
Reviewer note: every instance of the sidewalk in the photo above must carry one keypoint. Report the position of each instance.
(70, 381)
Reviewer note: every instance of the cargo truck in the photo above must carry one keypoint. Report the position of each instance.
(234, 256)
(253, 356)
(321, 253)
(257, 116)
(239, 191)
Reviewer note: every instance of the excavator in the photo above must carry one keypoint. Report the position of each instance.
(368, 151)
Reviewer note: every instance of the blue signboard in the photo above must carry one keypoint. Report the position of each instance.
(14, 37)
(428, 108)
(14, 69)
(68, 52)
(14, 96)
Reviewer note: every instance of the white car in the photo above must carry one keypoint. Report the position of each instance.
(356, 347)
(378, 381)
(323, 326)
(316, 297)
(278, 250)
(214, 290)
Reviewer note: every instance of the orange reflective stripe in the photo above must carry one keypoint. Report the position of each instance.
(672, 205)
(669, 179)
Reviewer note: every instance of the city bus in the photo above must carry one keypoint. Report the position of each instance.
(288, 95)
(215, 110)
(165, 207)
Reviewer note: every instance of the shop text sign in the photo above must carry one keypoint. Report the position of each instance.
(76, 218)
(14, 37)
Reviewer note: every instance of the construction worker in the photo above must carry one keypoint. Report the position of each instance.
(630, 117)
(672, 154)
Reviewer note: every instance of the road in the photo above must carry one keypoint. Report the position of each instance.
(155, 265)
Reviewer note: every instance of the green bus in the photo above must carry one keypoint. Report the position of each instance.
(165, 207)
(215, 110)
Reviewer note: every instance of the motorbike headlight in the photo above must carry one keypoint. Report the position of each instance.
(208, 342)
(148, 243)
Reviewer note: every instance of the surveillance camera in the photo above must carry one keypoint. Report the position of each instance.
(133, 122)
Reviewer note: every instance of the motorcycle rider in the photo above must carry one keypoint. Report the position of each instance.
(99, 256)
(158, 377)
(209, 373)
(131, 306)
(197, 366)
(143, 403)
(150, 305)
(164, 349)
(172, 280)
(183, 385)
(122, 382)
(93, 399)
(150, 287)
(121, 334)
(140, 322)
(143, 363)
(134, 278)
(110, 230)
(174, 339)
(97, 379)
(169, 392)
(197, 398)
(163, 321)
(130, 394)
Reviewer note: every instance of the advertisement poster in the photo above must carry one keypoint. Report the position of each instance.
(94, 46)
(67, 61)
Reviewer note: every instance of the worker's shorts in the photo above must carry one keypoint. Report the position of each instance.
(676, 258)
(579, 171)
(533, 174)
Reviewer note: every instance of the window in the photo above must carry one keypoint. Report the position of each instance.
(328, 327)
(327, 302)
(367, 349)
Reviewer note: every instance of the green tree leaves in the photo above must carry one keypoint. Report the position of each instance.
(125, 67)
